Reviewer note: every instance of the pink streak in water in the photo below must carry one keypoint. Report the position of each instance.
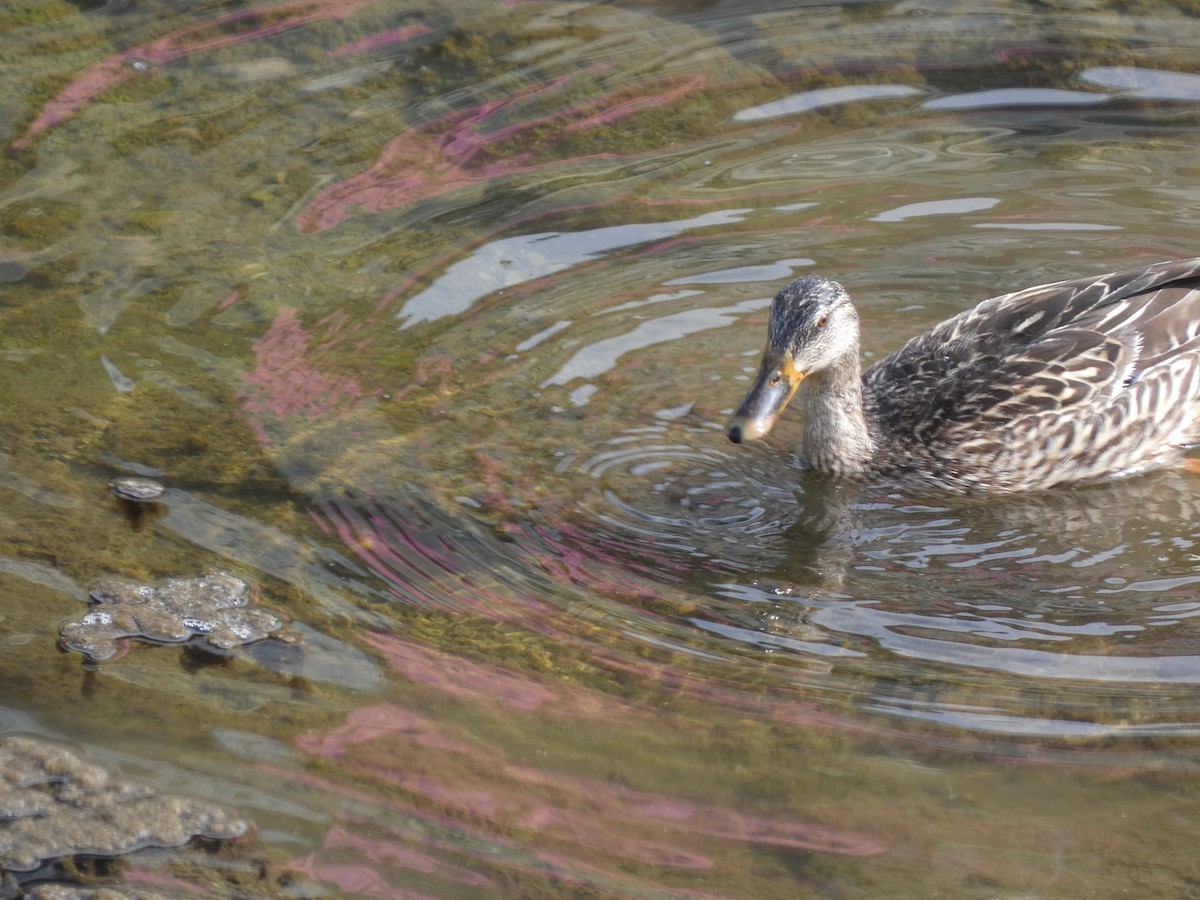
(428, 575)
(97, 78)
(582, 827)
(177, 886)
(556, 809)
(392, 851)
(367, 880)
(729, 824)
(409, 566)
(469, 682)
(441, 156)
(422, 569)
(283, 384)
(383, 39)
(374, 722)
(464, 680)
(570, 871)
(362, 880)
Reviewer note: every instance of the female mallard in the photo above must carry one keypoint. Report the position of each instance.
(1065, 382)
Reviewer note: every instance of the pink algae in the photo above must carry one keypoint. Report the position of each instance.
(464, 680)
(375, 722)
(285, 384)
(457, 150)
(401, 765)
(382, 39)
(423, 570)
(508, 816)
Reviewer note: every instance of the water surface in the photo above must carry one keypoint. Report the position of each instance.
(429, 317)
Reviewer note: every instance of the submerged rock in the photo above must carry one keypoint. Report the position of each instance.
(135, 489)
(108, 892)
(57, 805)
(213, 605)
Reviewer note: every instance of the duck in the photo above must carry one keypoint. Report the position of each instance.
(1067, 383)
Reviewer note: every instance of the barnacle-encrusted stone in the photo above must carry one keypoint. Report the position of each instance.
(214, 605)
(57, 805)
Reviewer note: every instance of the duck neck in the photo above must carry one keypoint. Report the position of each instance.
(836, 437)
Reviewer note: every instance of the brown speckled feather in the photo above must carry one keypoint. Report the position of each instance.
(1061, 382)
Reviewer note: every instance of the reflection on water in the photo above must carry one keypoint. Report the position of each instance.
(429, 319)
(508, 262)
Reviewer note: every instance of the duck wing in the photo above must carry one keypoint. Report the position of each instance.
(1051, 366)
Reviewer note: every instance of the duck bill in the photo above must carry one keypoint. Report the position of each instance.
(760, 409)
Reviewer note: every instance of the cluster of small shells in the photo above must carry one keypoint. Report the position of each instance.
(56, 805)
(213, 605)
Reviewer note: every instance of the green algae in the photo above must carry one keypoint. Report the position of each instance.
(29, 13)
(38, 223)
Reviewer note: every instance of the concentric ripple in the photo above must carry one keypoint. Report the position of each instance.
(694, 498)
(1049, 594)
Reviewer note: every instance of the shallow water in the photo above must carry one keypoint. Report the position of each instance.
(429, 317)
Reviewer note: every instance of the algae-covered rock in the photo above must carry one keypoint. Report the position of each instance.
(56, 805)
(215, 606)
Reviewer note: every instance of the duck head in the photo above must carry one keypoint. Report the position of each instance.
(813, 325)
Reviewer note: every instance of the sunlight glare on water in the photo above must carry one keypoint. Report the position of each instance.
(429, 318)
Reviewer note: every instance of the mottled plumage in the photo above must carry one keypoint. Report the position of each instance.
(1067, 382)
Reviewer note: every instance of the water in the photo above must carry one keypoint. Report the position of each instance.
(429, 317)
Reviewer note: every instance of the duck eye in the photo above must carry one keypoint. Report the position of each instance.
(823, 320)
(775, 379)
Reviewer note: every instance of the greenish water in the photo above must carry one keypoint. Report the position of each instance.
(429, 318)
